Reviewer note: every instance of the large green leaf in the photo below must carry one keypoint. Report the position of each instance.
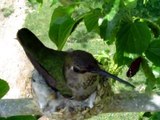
(91, 19)
(153, 52)
(3, 88)
(61, 25)
(133, 37)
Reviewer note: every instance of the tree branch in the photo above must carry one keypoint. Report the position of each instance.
(13, 107)
(134, 102)
(130, 102)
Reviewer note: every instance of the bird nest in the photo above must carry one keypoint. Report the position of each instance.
(53, 105)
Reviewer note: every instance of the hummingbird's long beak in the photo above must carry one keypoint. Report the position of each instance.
(109, 75)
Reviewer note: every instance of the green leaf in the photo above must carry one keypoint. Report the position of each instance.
(133, 37)
(4, 87)
(153, 52)
(40, 1)
(154, 28)
(61, 25)
(78, 20)
(108, 29)
(155, 116)
(150, 77)
(121, 59)
(110, 16)
(27, 117)
(103, 29)
(53, 2)
(66, 2)
(2, 118)
(147, 114)
(91, 20)
(158, 82)
(130, 4)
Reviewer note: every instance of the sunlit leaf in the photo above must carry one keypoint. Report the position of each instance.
(113, 11)
(61, 25)
(91, 19)
(130, 3)
(53, 2)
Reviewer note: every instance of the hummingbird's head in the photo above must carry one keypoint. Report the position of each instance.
(81, 62)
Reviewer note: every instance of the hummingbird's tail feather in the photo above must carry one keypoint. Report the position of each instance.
(29, 41)
(109, 75)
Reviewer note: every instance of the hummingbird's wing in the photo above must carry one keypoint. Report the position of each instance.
(50, 60)
(50, 81)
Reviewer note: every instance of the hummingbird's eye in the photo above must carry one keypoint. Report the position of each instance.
(78, 70)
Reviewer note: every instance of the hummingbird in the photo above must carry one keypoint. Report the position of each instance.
(73, 74)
